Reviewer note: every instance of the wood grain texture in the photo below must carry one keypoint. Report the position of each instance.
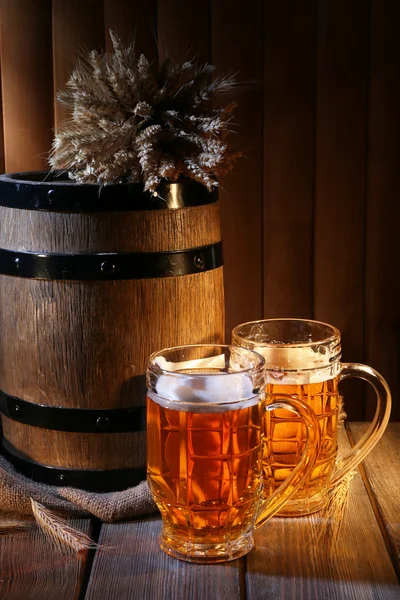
(27, 86)
(31, 570)
(285, 564)
(137, 568)
(288, 563)
(86, 345)
(133, 21)
(134, 231)
(340, 174)
(341, 146)
(77, 27)
(184, 30)
(289, 51)
(309, 216)
(241, 191)
(382, 468)
(70, 450)
(2, 165)
(382, 323)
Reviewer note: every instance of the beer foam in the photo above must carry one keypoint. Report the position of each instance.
(297, 366)
(211, 362)
(202, 391)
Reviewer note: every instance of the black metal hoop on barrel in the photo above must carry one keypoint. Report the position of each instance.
(55, 192)
(94, 481)
(80, 420)
(110, 266)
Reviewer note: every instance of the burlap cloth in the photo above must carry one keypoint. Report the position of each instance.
(16, 492)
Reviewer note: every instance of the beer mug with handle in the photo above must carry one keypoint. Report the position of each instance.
(302, 359)
(205, 408)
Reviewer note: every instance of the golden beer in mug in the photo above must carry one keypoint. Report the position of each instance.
(302, 360)
(205, 447)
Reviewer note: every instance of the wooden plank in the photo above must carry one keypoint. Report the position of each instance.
(289, 157)
(2, 166)
(1, 127)
(241, 191)
(135, 567)
(133, 20)
(289, 563)
(77, 27)
(382, 469)
(27, 83)
(383, 283)
(183, 30)
(341, 143)
(30, 568)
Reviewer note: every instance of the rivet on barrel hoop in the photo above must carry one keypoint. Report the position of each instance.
(17, 262)
(107, 267)
(16, 410)
(103, 423)
(62, 479)
(199, 261)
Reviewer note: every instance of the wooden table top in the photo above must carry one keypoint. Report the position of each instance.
(287, 561)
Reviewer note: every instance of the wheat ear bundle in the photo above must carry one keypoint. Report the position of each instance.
(131, 121)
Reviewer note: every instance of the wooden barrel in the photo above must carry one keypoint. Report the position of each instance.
(92, 281)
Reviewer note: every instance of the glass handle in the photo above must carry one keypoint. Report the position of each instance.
(378, 425)
(270, 506)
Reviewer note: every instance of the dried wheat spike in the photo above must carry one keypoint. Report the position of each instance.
(59, 533)
(130, 123)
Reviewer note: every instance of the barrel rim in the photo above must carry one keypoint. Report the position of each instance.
(53, 191)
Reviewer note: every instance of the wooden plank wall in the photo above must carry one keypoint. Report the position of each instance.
(310, 215)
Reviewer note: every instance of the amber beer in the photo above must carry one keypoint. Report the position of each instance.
(285, 439)
(302, 360)
(204, 472)
(205, 408)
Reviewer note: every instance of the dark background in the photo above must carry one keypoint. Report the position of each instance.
(310, 215)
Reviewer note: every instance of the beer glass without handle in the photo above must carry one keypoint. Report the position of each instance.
(303, 359)
(204, 449)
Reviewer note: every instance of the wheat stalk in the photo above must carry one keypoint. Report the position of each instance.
(328, 531)
(62, 537)
(341, 412)
(130, 122)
